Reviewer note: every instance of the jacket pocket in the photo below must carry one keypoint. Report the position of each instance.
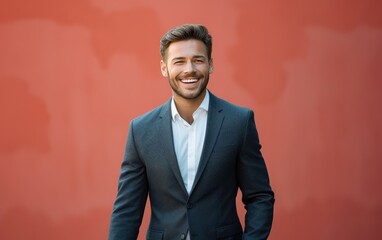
(153, 234)
(233, 231)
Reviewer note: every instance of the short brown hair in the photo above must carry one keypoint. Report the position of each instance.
(186, 32)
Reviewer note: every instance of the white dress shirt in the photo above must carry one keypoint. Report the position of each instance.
(189, 140)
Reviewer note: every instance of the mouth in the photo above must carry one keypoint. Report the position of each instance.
(189, 80)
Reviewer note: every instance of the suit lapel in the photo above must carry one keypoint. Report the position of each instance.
(165, 132)
(214, 122)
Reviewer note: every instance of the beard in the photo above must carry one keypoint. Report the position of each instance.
(178, 91)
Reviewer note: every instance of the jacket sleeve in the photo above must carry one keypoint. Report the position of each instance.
(258, 196)
(132, 194)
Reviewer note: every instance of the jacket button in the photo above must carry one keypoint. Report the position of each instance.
(189, 205)
(182, 236)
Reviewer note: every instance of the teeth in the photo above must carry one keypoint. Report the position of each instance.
(189, 80)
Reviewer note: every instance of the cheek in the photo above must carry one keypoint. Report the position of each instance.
(204, 69)
(173, 72)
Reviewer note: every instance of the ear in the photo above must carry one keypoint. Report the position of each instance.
(163, 68)
(211, 69)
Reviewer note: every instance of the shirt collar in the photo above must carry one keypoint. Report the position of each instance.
(204, 105)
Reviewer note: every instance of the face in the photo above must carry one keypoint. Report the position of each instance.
(187, 68)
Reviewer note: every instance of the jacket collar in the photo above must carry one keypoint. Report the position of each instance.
(214, 122)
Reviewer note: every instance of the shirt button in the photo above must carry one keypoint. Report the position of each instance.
(182, 236)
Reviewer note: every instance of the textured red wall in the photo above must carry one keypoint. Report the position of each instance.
(73, 74)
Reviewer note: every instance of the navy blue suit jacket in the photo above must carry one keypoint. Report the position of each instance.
(231, 159)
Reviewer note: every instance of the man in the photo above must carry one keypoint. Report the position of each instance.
(191, 155)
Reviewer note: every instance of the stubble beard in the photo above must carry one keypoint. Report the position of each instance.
(178, 92)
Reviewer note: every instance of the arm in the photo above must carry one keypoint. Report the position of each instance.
(258, 196)
(132, 195)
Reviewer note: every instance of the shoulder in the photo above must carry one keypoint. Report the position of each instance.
(228, 107)
(152, 115)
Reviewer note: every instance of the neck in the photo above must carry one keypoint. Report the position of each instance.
(186, 107)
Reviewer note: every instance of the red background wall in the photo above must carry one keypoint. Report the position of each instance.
(74, 73)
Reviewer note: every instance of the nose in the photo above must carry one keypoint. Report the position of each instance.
(189, 67)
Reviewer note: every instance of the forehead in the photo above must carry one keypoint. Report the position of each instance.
(186, 49)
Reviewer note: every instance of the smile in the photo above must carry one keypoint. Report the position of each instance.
(193, 80)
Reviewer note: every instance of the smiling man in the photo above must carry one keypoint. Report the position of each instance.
(191, 155)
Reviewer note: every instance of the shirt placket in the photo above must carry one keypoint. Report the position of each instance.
(191, 162)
